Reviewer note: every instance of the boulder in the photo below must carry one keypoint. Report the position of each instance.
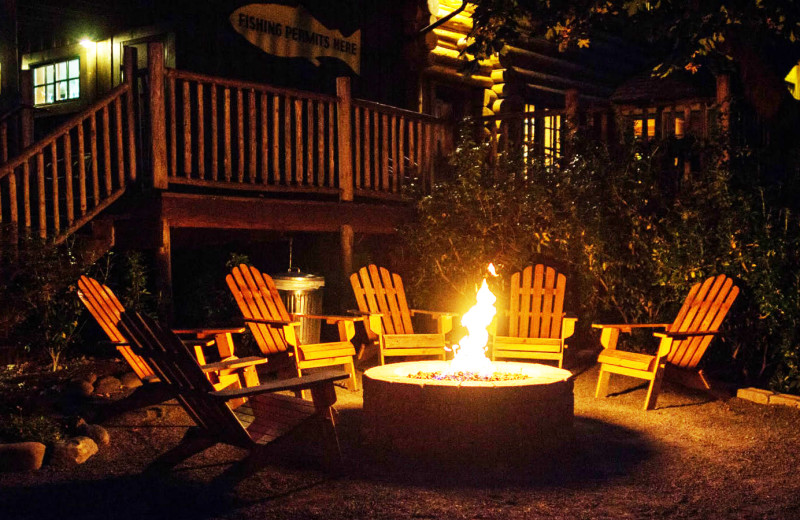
(130, 380)
(21, 456)
(76, 450)
(79, 388)
(96, 432)
(107, 385)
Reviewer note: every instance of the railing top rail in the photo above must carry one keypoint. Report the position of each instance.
(233, 83)
(40, 145)
(363, 103)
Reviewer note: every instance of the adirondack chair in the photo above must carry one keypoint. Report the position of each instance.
(380, 296)
(681, 346)
(274, 329)
(104, 306)
(265, 415)
(537, 326)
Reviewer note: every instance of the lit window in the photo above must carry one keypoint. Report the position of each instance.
(56, 82)
(679, 127)
(646, 124)
(637, 128)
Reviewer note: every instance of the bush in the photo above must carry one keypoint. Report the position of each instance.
(35, 428)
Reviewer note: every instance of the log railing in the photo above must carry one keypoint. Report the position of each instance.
(61, 182)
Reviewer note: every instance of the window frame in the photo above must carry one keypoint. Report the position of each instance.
(55, 81)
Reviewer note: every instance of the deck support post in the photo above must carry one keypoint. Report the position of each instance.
(164, 271)
(158, 120)
(343, 109)
(26, 115)
(346, 236)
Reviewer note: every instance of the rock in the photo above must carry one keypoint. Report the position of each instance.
(21, 456)
(74, 423)
(90, 378)
(76, 450)
(757, 395)
(79, 388)
(107, 385)
(785, 400)
(96, 432)
(130, 380)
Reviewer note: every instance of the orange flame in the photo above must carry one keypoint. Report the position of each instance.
(470, 353)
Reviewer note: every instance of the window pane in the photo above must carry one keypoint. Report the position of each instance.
(637, 128)
(39, 96)
(61, 90)
(74, 68)
(74, 88)
(679, 127)
(38, 76)
(51, 94)
(61, 70)
(651, 127)
(50, 73)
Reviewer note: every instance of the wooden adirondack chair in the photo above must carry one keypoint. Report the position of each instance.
(381, 297)
(681, 345)
(274, 329)
(265, 415)
(537, 326)
(106, 310)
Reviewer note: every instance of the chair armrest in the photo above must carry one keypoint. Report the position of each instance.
(357, 312)
(115, 343)
(295, 383)
(198, 342)
(272, 323)
(684, 335)
(627, 327)
(568, 326)
(434, 314)
(329, 319)
(201, 333)
(232, 364)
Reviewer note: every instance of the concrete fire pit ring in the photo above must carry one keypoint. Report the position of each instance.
(488, 423)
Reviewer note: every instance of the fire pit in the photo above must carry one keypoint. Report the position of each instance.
(505, 421)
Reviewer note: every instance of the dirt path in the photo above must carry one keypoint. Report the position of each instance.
(690, 458)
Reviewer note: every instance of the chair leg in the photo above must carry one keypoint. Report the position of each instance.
(352, 383)
(654, 389)
(602, 383)
(332, 453)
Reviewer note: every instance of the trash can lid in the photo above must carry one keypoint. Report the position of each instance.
(296, 280)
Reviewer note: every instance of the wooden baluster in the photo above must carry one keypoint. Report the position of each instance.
(93, 148)
(26, 195)
(401, 167)
(54, 173)
(367, 148)
(201, 132)
(357, 117)
(81, 171)
(12, 201)
(276, 139)
(376, 154)
(298, 141)
(106, 154)
(331, 146)
(311, 178)
(131, 115)
(287, 139)
(214, 135)
(239, 136)
(264, 142)
(320, 144)
(226, 132)
(411, 142)
(120, 148)
(385, 152)
(42, 202)
(186, 114)
(251, 134)
(69, 194)
(393, 152)
(418, 147)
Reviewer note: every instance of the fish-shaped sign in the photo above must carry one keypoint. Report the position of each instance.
(293, 33)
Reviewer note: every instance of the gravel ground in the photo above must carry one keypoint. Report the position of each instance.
(693, 457)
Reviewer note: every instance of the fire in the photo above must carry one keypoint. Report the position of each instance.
(470, 353)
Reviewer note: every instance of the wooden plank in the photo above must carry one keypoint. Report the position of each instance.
(264, 140)
(368, 137)
(118, 131)
(527, 301)
(130, 116)
(26, 194)
(214, 134)
(172, 125)
(411, 147)
(513, 307)
(70, 198)
(54, 188)
(251, 135)
(186, 114)
(226, 133)
(357, 121)
(311, 177)
(42, 202)
(298, 141)
(394, 148)
(375, 153)
(321, 180)
(384, 153)
(107, 178)
(287, 140)
(401, 163)
(240, 136)
(3, 142)
(93, 151)
(201, 132)
(81, 170)
(12, 199)
(331, 145)
(548, 299)
(276, 139)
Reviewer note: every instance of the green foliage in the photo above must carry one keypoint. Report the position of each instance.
(135, 279)
(35, 428)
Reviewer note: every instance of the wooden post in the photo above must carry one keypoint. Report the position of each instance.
(343, 108)
(158, 120)
(26, 114)
(346, 235)
(164, 271)
(129, 64)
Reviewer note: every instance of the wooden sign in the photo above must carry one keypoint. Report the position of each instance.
(293, 33)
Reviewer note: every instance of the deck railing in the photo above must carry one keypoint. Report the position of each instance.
(59, 183)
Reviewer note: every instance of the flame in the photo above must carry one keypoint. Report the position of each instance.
(470, 353)
(492, 270)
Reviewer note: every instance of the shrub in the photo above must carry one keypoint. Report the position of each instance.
(35, 428)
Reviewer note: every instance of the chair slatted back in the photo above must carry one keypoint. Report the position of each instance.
(175, 366)
(704, 309)
(379, 291)
(536, 303)
(258, 298)
(104, 306)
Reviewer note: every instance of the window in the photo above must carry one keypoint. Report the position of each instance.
(642, 125)
(56, 82)
(549, 140)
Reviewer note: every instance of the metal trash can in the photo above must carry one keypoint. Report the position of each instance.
(302, 294)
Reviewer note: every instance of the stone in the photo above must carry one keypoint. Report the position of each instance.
(76, 450)
(96, 432)
(130, 380)
(21, 456)
(107, 385)
(785, 400)
(80, 388)
(757, 395)
(90, 378)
